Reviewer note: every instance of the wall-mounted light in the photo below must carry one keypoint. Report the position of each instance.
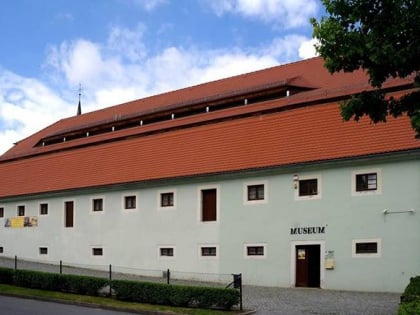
(296, 180)
(386, 211)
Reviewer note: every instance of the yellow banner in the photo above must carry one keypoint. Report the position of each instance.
(20, 222)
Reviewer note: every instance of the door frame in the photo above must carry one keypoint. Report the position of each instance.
(293, 245)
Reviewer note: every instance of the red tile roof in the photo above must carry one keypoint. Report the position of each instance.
(246, 137)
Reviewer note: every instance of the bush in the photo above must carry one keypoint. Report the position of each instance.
(410, 301)
(174, 295)
(56, 282)
(6, 275)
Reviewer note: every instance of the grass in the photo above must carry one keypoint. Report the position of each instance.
(103, 302)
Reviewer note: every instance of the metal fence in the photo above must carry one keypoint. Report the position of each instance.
(118, 272)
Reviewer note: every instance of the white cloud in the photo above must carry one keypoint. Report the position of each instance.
(285, 13)
(149, 5)
(112, 74)
(26, 105)
(307, 49)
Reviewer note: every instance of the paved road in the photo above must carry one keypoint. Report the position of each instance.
(19, 306)
(305, 301)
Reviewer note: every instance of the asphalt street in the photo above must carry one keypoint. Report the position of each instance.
(19, 306)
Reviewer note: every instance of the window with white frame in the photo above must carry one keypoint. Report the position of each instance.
(255, 192)
(21, 211)
(255, 250)
(208, 251)
(97, 251)
(366, 182)
(97, 204)
(1, 212)
(130, 202)
(166, 251)
(366, 248)
(43, 209)
(308, 187)
(43, 251)
(166, 199)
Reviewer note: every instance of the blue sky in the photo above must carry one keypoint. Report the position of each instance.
(120, 50)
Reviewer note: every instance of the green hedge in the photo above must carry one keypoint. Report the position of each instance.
(156, 293)
(143, 292)
(410, 301)
(6, 275)
(56, 282)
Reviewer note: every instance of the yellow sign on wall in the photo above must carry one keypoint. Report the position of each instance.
(20, 222)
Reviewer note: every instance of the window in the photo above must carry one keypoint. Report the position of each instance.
(97, 251)
(208, 205)
(130, 202)
(1, 249)
(308, 187)
(366, 248)
(68, 213)
(43, 209)
(208, 251)
(1, 212)
(97, 204)
(167, 199)
(255, 250)
(166, 251)
(43, 250)
(366, 182)
(256, 192)
(21, 211)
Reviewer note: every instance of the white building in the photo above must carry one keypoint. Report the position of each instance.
(255, 174)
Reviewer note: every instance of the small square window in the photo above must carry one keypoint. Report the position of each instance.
(167, 251)
(43, 250)
(308, 187)
(208, 251)
(255, 250)
(21, 211)
(366, 182)
(167, 199)
(130, 202)
(97, 204)
(43, 209)
(1, 212)
(367, 248)
(256, 192)
(97, 251)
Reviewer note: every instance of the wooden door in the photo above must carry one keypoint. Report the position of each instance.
(308, 266)
(209, 205)
(69, 214)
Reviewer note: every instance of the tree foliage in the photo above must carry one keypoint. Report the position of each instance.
(383, 38)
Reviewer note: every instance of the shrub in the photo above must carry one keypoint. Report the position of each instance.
(410, 304)
(163, 294)
(56, 282)
(6, 275)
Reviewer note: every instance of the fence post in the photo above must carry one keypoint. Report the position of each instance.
(15, 262)
(61, 267)
(168, 276)
(237, 284)
(110, 280)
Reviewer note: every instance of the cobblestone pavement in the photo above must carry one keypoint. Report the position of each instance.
(266, 300)
(301, 301)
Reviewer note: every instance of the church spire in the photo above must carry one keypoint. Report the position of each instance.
(79, 106)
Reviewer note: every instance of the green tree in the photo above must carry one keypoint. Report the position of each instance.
(383, 38)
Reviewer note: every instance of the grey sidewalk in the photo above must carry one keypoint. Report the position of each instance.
(299, 301)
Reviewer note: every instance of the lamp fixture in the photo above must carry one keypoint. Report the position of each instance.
(296, 180)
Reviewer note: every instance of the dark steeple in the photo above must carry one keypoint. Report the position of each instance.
(79, 107)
